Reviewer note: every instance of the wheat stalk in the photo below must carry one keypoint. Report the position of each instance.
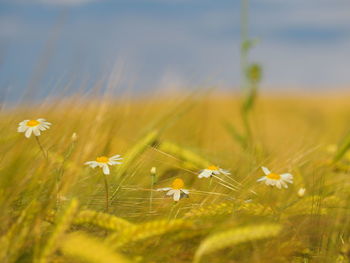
(85, 248)
(60, 227)
(102, 220)
(211, 210)
(148, 230)
(183, 154)
(235, 236)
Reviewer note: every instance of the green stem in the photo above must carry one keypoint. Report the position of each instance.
(247, 128)
(244, 64)
(244, 40)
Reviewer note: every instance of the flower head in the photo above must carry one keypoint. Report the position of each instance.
(212, 170)
(104, 162)
(33, 126)
(274, 179)
(176, 189)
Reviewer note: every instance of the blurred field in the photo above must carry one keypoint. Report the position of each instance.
(53, 211)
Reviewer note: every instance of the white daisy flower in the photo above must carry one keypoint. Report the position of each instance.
(212, 170)
(33, 126)
(176, 189)
(277, 180)
(104, 162)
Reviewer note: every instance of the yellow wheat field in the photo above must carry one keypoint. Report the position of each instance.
(53, 207)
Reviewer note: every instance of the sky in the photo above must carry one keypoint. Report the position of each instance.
(155, 44)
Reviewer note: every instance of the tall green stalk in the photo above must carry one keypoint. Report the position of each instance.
(244, 64)
(250, 78)
(244, 41)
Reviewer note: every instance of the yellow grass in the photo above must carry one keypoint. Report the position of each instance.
(51, 207)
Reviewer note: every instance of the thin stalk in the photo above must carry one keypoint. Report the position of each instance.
(106, 192)
(42, 148)
(153, 181)
(247, 128)
(61, 172)
(244, 41)
(211, 180)
(244, 64)
(172, 210)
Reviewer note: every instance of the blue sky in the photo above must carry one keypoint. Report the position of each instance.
(153, 44)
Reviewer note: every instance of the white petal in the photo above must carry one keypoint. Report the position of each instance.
(270, 182)
(23, 122)
(261, 179)
(177, 195)
(22, 128)
(113, 163)
(224, 172)
(287, 177)
(284, 184)
(265, 170)
(92, 164)
(164, 189)
(115, 157)
(186, 191)
(36, 131)
(41, 125)
(205, 173)
(171, 192)
(28, 132)
(44, 122)
(105, 168)
(278, 184)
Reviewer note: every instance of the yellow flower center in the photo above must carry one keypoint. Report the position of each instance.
(213, 168)
(273, 176)
(102, 159)
(32, 123)
(178, 184)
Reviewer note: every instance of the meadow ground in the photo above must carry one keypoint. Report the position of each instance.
(53, 207)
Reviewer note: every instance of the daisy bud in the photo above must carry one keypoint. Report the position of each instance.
(74, 137)
(301, 192)
(153, 170)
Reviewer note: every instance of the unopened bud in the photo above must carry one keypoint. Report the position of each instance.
(301, 192)
(74, 137)
(153, 170)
